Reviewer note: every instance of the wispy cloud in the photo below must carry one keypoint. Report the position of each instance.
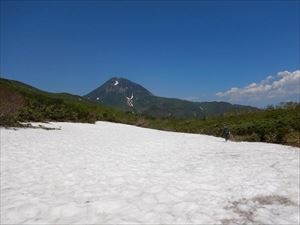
(281, 86)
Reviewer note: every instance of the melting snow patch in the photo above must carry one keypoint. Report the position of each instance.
(130, 101)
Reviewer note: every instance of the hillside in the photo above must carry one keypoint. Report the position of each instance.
(108, 173)
(279, 124)
(130, 96)
(22, 102)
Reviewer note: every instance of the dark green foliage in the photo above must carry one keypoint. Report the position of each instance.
(9, 121)
(267, 125)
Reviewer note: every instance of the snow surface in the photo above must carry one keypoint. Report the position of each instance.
(118, 174)
(130, 100)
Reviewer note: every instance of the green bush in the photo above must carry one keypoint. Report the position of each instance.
(9, 121)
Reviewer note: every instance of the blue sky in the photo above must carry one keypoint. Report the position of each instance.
(196, 50)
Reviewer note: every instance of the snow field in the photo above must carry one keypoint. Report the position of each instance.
(118, 174)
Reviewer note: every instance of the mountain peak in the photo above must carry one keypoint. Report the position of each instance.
(127, 95)
(117, 90)
(116, 78)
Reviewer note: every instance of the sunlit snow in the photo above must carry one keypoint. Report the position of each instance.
(118, 174)
(130, 100)
(116, 83)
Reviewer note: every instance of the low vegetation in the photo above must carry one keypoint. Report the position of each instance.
(23, 103)
(279, 124)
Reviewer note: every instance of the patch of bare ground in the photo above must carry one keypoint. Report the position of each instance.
(245, 209)
(10, 101)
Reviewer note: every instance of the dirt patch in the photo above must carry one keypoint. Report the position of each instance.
(272, 200)
(10, 101)
(28, 125)
(245, 209)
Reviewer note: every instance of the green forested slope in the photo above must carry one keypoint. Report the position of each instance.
(21, 102)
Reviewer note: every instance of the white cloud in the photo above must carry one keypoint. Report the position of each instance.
(282, 86)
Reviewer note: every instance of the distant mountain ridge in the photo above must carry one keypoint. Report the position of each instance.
(114, 92)
(130, 96)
